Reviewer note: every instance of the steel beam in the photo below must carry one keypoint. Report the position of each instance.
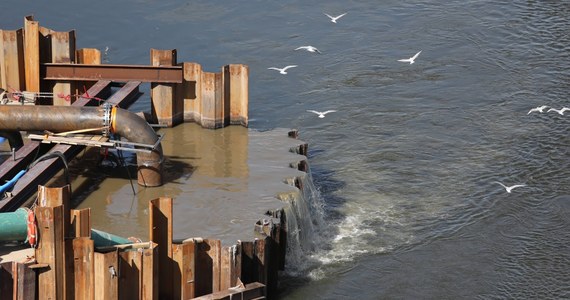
(122, 73)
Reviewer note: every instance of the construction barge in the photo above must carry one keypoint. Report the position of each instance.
(65, 101)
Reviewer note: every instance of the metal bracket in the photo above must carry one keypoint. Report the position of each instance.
(106, 118)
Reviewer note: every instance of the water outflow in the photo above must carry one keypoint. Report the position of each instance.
(306, 231)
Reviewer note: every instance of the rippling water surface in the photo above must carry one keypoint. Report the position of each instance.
(407, 165)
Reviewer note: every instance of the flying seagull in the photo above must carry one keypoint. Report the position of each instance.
(559, 111)
(411, 59)
(321, 114)
(282, 70)
(333, 19)
(309, 48)
(537, 109)
(510, 188)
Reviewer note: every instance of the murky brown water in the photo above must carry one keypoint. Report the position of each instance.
(222, 182)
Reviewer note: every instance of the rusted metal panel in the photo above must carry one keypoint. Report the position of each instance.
(107, 275)
(236, 85)
(50, 251)
(160, 229)
(126, 96)
(32, 54)
(12, 74)
(102, 89)
(84, 268)
(191, 91)
(121, 73)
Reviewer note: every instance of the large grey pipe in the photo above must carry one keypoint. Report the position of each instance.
(69, 118)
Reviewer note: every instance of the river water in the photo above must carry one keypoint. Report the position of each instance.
(406, 167)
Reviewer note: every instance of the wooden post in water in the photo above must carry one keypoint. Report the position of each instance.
(184, 270)
(63, 51)
(236, 86)
(12, 72)
(192, 92)
(160, 213)
(166, 107)
(212, 101)
(107, 275)
(32, 54)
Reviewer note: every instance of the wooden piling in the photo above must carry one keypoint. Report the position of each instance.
(160, 214)
(32, 54)
(166, 107)
(84, 268)
(212, 105)
(192, 92)
(63, 51)
(12, 71)
(236, 85)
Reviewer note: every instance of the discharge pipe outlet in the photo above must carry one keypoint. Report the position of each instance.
(109, 119)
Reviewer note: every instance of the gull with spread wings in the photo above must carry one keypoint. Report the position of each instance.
(282, 70)
(412, 59)
(321, 114)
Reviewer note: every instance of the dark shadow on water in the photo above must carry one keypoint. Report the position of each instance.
(95, 167)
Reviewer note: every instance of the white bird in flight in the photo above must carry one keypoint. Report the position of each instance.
(537, 109)
(510, 188)
(309, 48)
(559, 111)
(412, 59)
(282, 70)
(333, 19)
(321, 114)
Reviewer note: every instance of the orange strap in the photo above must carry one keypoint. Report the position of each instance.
(32, 228)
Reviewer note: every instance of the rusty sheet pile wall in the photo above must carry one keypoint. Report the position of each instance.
(40, 60)
(68, 266)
